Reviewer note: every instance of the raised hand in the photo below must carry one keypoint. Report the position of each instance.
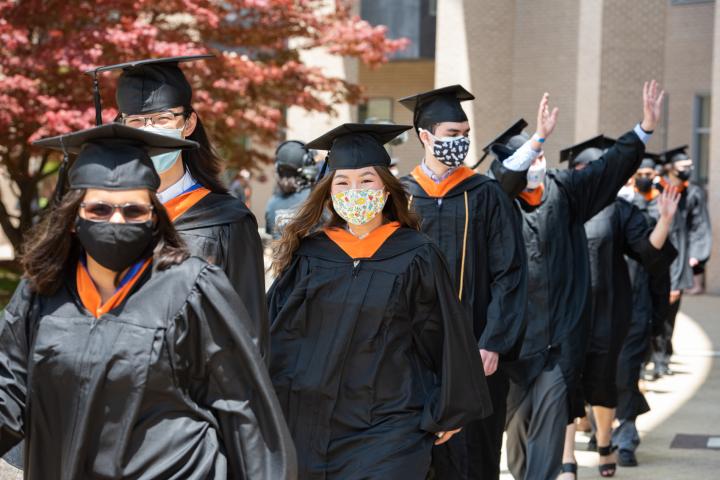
(652, 105)
(668, 202)
(546, 119)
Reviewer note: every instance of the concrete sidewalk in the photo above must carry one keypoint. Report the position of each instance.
(687, 402)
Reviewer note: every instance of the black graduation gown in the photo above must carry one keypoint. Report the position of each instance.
(650, 295)
(169, 384)
(558, 265)
(495, 271)
(371, 357)
(619, 229)
(691, 234)
(221, 229)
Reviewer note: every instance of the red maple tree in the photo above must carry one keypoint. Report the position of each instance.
(46, 45)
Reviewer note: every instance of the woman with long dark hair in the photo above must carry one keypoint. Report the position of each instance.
(155, 95)
(120, 356)
(373, 358)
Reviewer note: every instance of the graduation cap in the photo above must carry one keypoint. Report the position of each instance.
(587, 151)
(111, 157)
(507, 142)
(357, 145)
(147, 86)
(437, 106)
(675, 154)
(650, 160)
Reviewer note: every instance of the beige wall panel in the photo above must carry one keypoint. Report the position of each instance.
(633, 50)
(688, 65)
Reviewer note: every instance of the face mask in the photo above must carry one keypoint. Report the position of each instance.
(683, 175)
(164, 161)
(643, 184)
(626, 193)
(536, 175)
(115, 246)
(358, 207)
(451, 151)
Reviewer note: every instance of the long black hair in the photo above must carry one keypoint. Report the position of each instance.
(204, 164)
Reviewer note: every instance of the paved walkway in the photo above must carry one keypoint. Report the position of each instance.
(685, 403)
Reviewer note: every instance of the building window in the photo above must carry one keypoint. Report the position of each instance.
(380, 108)
(687, 2)
(701, 138)
(411, 19)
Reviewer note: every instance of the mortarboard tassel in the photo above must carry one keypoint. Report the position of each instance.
(96, 98)
(324, 167)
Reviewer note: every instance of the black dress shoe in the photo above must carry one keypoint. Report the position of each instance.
(626, 458)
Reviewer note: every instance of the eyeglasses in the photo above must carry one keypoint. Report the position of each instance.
(131, 212)
(160, 120)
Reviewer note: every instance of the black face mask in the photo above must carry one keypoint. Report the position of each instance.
(683, 175)
(643, 184)
(116, 246)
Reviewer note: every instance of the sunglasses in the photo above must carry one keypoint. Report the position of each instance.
(131, 212)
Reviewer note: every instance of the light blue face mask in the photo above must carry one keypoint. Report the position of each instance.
(164, 161)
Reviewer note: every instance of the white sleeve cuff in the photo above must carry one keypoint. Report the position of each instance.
(522, 158)
(642, 135)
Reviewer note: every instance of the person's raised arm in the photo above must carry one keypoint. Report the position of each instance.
(595, 187)
(511, 171)
(667, 206)
(524, 156)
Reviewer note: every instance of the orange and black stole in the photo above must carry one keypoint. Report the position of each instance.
(364, 247)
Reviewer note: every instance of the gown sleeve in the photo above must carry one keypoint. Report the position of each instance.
(245, 269)
(700, 232)
(512, 182)
(229, 378)
(284, 285)
(444, 340)
(506, 312)
(596, 186)
(637, 246)
(14, 328)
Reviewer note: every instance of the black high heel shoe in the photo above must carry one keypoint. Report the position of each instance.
(607, 469)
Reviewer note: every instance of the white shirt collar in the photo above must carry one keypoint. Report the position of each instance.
(177, 188)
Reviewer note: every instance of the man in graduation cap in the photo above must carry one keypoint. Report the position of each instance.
(555, 205)
(470, 218)
(154, 95)
(691, 235)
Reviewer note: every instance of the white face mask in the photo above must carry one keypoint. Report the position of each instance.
(164, 161)
(536, 174)
(626, 193)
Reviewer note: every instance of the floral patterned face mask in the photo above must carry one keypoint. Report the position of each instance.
(358, 207)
